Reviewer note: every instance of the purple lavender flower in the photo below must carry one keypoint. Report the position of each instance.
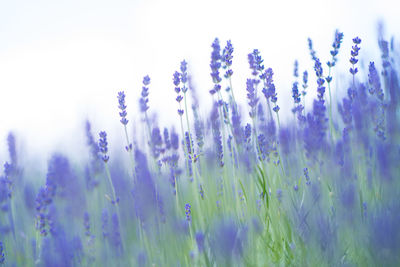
(305, 81)
(269, 90)
(346, 110)
(252, 96)
(227, 59)
(320, 81)
(184, 80)
(354, 54)
(335, 51)
(156, 142)
(296, 69)
(307, 176)
(262, 147)
(215, 65)
(255, 62)
(122, 107)
(384, 47)
(295, 93)
(184, 75)
(314, 133)
(11, 149)
(189, 143)
(374, 82)
(167, 140)
(144, 99)
(247, 133)
(188, 212)
(43, 199)
(311, 48)
(103, 146)
(174, 140)
(199, 131)
(177, 80)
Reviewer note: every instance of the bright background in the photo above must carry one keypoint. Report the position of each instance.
(64, 61)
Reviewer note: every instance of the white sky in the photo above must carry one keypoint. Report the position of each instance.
(64, 61)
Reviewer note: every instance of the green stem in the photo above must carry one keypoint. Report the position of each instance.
(116, 204)
(330, 108)
(233, 96)
(130, 151)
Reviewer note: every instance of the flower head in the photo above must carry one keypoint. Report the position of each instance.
(305, 81)
(122, 107)
(295, 93)
(354, 53)
(255, 62)
(215, 63)
(320, 81)
(188, 212)
(311, 48)
(11, 148)
(184, 73)
(296, 69)
(144, 99)
(336, 45)
(252, 96)
(374, 82)
(227, 59)
(103, 145)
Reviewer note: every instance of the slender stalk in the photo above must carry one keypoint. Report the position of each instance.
(130, 151)
(231, 90)
(115, 200)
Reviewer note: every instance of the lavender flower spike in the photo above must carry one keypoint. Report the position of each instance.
(11, 148)
(252, 96)
(227, 59)
(122, 107)
(103, 146)
(144, 99)
(319, 73)
(215, 65)
(188, 212)
(354, 53)
(335, 51)
(374, 81)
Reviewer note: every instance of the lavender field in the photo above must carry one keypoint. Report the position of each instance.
(236, 186)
